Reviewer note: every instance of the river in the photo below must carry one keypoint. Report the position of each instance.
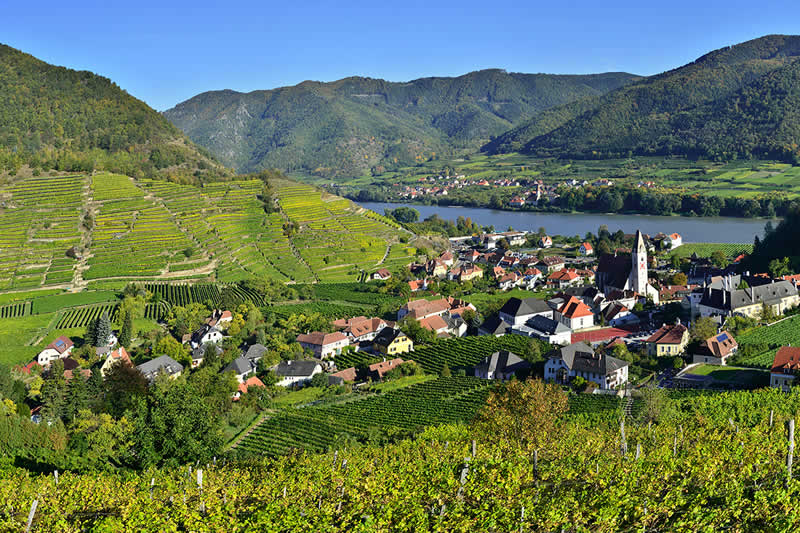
(692, 229)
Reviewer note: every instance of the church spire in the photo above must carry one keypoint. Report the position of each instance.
(638, 276)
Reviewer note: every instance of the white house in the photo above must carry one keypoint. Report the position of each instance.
(164, 364)
(785, 367)
(296, 372)
(575, 314)
(672, 241)
(205, 335)
(546, 329)
(58, 349)
(324, 345)
(579, 359)
(586, 248)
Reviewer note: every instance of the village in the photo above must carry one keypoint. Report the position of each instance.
(610, 323)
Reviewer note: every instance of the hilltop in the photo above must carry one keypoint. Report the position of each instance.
(358, 124)
(58, 118)
(736, 102)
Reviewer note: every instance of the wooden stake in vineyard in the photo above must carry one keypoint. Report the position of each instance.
(790, 456)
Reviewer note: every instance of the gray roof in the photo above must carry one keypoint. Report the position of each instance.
(256, 352)
(495, 326)
(200, 351)
(548, 326)
(528, 306)
(730, 300)
(166, 363)
(580, 357)
(239, 366)
(386, 336)
(502, 361)
(296, 368)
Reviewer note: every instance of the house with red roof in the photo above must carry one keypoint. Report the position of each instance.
(575, 314)
(446, 258)
(219, 318)
(58, 349)
(785, 368)
(516, 201)
(586, 248)
(117, 356)
(567, 277)
(545, 242)
(716, 350)
(670, 340)
(348, 375)
(508, 281)
(672, 241)
(378, 370)
(324, 345)
(245, 387)
(382, 274)
(418, 285)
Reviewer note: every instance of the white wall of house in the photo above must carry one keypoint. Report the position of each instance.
(521, 319)
(288, 381)
(49, 355)
(781, 381)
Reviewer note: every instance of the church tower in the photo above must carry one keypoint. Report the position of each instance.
(638, 279)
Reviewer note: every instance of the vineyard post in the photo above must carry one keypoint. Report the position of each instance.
(536, 464)
(464, 472)
(152, 484)
(521, 519)
(675, 444)
(31, 514)
(790, 456)
(623, 442)
(473, 448)
(771, 413)
(55, 476)
(638, 450)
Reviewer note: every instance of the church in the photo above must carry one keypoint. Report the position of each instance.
(623, 272)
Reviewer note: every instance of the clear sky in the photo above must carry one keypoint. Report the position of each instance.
(168, 51)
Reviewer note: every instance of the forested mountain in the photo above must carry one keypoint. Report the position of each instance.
(57, 118)
(355, 124)
(734, 102)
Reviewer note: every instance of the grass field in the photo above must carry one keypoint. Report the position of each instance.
(16, 334)
(734, 375)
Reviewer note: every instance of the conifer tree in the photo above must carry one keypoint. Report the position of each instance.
(126, 333)
(102, 331)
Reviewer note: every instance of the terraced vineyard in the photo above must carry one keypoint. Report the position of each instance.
(80, 317)
(39, 222)
(15, 310)
(157, 230)
(440, 401)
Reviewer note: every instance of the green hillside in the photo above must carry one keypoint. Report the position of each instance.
(57, 118)
(734, 102)
(357, 124)
(125, 229)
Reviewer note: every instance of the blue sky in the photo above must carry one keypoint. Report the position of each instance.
(166, 52)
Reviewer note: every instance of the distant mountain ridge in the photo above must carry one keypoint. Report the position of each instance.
(355, 124)
(738, 101)
(57, 118)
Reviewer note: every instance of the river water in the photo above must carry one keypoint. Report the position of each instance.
(692, 229)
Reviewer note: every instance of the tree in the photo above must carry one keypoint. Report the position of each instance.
(102, 330)
(123, 384)
(404, 214)
(133, 305)
(523, 413)
(703, 328)
(126, 333)
(77, 397)
(679, 278)
(719, 258)
(445, 373)
(779, 267)
(319, 380)
(167, 345)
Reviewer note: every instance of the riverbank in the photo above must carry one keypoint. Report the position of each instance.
(692, 229)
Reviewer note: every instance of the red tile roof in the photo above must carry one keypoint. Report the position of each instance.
(787, 360)
(385, 366)
(668, 334)
(348, 374)
(574, 308)
(321, 339)
(433, 323)
(61, 344)
(565, 274)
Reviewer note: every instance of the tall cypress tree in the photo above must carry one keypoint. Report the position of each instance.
(103, 331)
(126, 333)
